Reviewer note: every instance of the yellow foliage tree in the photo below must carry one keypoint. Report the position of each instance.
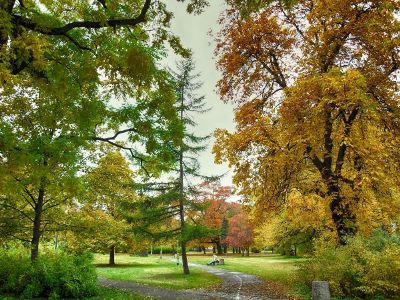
(317, 109)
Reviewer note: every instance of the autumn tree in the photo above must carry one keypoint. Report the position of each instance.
(216, 215)
(217, 211)
(292, 228)
(240, 233)
(317, 107)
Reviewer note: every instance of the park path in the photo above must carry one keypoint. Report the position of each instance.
(235, 286)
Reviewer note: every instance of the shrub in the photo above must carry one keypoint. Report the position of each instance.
(366, 268)
(165, 250)
(255, 250)
(53, 275)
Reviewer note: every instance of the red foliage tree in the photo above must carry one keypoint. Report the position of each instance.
(240, 233)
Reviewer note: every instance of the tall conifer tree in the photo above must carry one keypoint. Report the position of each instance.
(169, 202)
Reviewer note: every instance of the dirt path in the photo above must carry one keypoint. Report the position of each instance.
(235, 285)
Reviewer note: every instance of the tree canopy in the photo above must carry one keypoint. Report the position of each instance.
(317, 107)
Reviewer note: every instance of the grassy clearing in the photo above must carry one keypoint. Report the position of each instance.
(153, 271)
(276, 268)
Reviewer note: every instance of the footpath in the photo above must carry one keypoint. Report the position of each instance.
(235, 286)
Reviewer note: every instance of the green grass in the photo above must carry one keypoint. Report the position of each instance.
(117, 294)
(276, 268)
(104, 294)
(153, 271)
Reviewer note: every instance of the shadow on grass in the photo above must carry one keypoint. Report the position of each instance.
(125, 266)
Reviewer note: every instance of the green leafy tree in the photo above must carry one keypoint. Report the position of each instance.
(100, 223)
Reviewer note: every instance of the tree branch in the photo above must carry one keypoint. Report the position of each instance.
(32, 25)
(343, 147)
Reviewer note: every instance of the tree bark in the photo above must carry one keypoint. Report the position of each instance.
(36, 232)
(111, 261)
(342, 216)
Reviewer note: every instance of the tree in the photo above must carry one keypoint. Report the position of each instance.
(315, 84)
(60, 66)
(109, 187)
(240, 233)
(32, 34)
(46, 126)
(295, 225)
(170, 201)
(216, 213)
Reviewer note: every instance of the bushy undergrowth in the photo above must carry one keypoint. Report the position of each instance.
(365, 268)
(54, 275)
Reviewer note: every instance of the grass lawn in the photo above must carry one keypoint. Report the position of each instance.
(276, 268)
(117, 294)
(104, 294)
(153, 271)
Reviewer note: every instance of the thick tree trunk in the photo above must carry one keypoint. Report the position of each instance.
(343, 218)
(233, 250)
(225, 249)
(213, 249)
(36, 232)
(204, 250)
(112, 256)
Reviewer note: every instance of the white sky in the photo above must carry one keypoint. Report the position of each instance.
(193, 31)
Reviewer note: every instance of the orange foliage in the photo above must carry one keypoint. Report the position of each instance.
(317, 109)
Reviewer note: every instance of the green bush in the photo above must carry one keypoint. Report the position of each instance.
(165, 250)
(365, 268)
(53, 275)
(255, 250)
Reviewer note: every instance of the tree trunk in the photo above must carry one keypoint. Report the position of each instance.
(37, 221)
(213, 249)
(248, 251)
(341, 215)
(233, 250)
(343, 219)
(184, 260)
(225, 249)
(112, 256)
(219, 247)
(204, 250)
(185, 264)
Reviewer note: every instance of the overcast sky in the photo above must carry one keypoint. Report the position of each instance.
(193, 31)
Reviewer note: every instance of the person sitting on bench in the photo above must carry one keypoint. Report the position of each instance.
(214, 260)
